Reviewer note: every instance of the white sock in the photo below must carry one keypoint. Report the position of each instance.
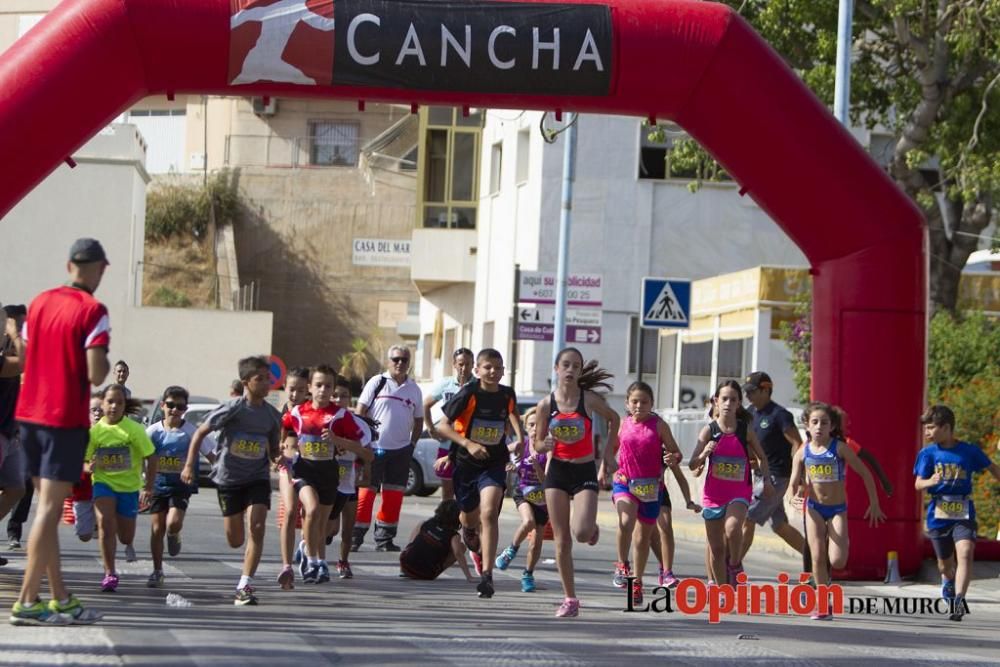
(244, 582)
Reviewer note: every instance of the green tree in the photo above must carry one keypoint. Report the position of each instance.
(359, 360)
(929, 74)
(798, 337)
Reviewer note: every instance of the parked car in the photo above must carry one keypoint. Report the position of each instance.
(423, 481)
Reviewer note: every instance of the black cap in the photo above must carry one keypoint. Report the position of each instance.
(758, 380)
(86, 251)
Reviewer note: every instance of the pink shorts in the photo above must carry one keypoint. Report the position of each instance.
(447, 471)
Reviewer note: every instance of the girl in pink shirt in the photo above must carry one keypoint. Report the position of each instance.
(646, 445)
(727, 444)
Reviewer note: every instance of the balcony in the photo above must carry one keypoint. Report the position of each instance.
(442, 257)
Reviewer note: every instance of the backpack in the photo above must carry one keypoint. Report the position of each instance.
(373, 425)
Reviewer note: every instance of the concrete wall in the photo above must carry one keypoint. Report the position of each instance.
(296, 242)
(105, 197)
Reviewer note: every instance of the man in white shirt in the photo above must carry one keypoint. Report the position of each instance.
(394, 401)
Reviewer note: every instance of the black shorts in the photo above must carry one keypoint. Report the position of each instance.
(571, 477)
(341, 502)
(236, 499)
(539, 513)
(665, 499)
(177, 499)
(943, 539)
(469, 481)
(326, 493)
(54, 453)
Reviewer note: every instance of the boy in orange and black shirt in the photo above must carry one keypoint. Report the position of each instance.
(475, 419)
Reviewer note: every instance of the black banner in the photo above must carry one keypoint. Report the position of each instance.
(499, 47)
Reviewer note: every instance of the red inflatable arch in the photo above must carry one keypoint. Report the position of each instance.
(695, 63)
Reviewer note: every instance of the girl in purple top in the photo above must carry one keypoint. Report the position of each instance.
(645, 446)
(529, 497)
(727, 444)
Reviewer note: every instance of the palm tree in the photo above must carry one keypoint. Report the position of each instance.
(359, 359)
(345, 366)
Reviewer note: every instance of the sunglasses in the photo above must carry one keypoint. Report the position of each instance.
(170, 405)
(400, 360)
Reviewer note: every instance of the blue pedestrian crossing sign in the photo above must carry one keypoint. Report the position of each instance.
(666, 303)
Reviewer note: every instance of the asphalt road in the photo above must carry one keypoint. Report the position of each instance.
(378, 618)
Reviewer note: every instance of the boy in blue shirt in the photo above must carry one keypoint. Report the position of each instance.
(172, 439)
(944, 468)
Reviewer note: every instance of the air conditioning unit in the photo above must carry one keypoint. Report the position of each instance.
(265, 106)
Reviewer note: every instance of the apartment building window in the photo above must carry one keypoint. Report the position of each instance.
(333, 143)
(664, 153)
(448, 171)
(650, 338)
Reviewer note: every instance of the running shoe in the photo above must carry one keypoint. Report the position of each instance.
(303, 561)
(324, 574)
(245, 596)
(173, 544)
(636, 592)
(344, 570)
(569, 608)
(477, 563)
(130, 556)
(299, 553)
(957, 609)
(527, 582)
(13, 544)
(668, 579)
(3, 561)
(485, 586)
(622, 573)
(286, 578)
(732, 571)
(821, 617)
(505, 557)
(36, 614)
(596, 536)
(75, 611)
(155, 580)
(389, 546)
(311, 575)
(711, 582)
(947, 588)
(109, 584)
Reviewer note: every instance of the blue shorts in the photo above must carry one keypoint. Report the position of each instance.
(126, 502)
(648, 512)
(470, 481)
(713, 513)
(943, 539)
(826, 511)
(54, 453)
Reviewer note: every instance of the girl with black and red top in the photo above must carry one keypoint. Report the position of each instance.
(571, 476)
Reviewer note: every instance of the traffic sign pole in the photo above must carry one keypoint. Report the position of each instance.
(514, 326)
(565, 220)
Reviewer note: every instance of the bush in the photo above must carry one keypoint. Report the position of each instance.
(168, 298)
(185, 209)
(798, 337)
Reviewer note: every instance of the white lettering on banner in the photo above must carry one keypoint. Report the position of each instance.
(582, 289)
(381, 252)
